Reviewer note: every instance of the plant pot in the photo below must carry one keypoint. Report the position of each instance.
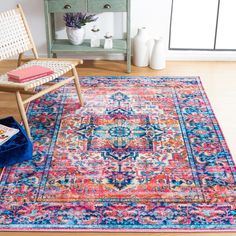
(76, 36)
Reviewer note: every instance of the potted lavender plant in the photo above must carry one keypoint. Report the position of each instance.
(75, 23)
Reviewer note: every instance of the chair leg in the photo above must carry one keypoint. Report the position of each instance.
(19, 59)
(77, 86)
(22, 113)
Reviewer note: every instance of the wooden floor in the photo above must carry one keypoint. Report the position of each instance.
(219, 80)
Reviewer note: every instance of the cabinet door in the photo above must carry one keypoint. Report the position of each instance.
(67, 5)
(107, 5)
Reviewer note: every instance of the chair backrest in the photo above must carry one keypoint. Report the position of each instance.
(15, 37)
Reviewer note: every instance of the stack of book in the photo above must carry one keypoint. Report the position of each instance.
(28, 74)
(6, 133)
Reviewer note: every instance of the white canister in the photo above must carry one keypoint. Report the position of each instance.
(108, 44)
(141, 48)
(95, 40)
(158, 56)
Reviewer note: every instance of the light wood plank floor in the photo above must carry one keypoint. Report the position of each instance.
(219, 80)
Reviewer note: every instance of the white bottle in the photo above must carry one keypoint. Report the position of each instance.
(158, 58)
(108, 41)
(95, 40)
(141, 48)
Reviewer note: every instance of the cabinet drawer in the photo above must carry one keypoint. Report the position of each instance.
(107, 5)
(67, 5)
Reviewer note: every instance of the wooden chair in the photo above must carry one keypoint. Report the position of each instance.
(15, 39)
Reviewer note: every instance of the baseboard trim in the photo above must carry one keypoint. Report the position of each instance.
(200, 56)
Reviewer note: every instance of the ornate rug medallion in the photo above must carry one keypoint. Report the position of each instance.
(143, 153)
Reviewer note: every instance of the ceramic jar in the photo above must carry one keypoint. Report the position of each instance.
(95, 40)
(141, 48)
(75, 35)
(158, 56)
(108, 44)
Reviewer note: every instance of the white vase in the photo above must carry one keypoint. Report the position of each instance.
(158, 57)
(76, 36)
(141, 48)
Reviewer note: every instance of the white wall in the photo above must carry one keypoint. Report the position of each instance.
(153, 14)
(35, 15)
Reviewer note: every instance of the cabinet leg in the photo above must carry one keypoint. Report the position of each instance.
(128, 60)
(54, 55)
(50, 55)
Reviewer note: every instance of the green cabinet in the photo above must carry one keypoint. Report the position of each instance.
(93, 6)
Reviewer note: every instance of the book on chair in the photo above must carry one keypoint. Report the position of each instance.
(28, 74)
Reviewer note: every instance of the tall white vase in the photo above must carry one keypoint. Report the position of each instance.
(141, 48)
(158, 57)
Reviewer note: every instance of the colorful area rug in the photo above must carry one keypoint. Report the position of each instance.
(143, 154)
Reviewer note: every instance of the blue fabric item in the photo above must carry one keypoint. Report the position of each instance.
(17, 149)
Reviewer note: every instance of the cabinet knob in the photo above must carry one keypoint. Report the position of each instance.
(107, 6)
(67, 6)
